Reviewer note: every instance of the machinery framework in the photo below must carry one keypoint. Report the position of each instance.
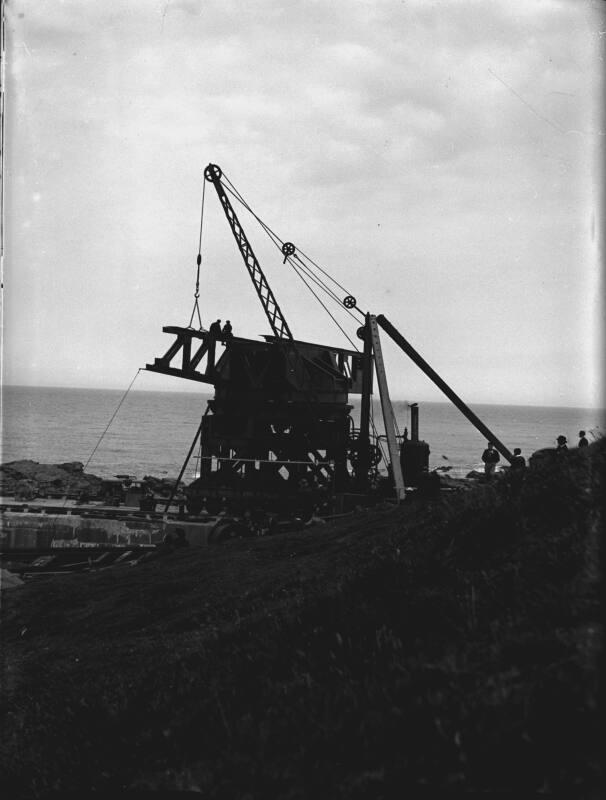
(279, 424)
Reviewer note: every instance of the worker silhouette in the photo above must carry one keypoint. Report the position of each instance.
(518, 462)
(180, 540)
(226, 333)
(583, 439)
(491, 458)
(215, 330)
(181, 501)
(562, 446)
(168, 544)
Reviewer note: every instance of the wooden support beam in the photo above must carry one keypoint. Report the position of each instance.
(363, 465)
(185, 365)
(183, 343)
(171, 352)
(178, 373)
(388, 415)
(198, 355)
(441, 384)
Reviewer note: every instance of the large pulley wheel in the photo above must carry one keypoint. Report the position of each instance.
(288, 249)
(374, 455)
(353, 454)
(350, 301)
(227, 530)
(213, 173)
(361, 333)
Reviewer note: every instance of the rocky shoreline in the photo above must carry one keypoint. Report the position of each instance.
(26, 479)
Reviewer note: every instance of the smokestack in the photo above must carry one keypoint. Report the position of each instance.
(414, 422)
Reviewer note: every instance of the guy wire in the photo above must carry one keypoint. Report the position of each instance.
(122, 399)
(231, 188)
(278, 243)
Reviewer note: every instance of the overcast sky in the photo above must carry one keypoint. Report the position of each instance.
(442, 160)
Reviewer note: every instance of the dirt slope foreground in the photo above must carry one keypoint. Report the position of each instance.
(446, 646)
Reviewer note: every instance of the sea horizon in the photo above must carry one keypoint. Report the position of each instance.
(394, 399)
(149, 432)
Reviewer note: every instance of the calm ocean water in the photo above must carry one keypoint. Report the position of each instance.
(152, 431)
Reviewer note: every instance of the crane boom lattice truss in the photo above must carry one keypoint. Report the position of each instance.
(270, 305)
(279, 421)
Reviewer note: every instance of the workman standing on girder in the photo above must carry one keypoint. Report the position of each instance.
(226, 333)
(215, 330)
(491, 458)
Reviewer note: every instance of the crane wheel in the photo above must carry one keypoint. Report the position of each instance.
(350, 301)
(361, 332)
(375, 454)
(227, 530)
(288, 249)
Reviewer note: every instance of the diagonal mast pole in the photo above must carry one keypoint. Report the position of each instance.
(403, 344)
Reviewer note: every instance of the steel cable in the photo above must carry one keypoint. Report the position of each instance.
(325, 308)
(122, 399)
(196, 307)
(278, 242)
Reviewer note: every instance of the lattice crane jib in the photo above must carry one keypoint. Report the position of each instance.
(285, 402)
(274, 314)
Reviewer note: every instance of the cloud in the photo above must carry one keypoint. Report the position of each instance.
(431, 144)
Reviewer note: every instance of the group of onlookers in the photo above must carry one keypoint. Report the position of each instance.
(491, 457)
(563, 441)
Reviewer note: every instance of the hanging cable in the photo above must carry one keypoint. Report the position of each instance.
(84, 468)
(196, 308)
(352, 343)
(277, 241)
(309, 272)
(376, 433)
(235, 193)
(237, 196)
(198, 467)
(302, 269)
(319, 282)
(395, 422)
(122, 399)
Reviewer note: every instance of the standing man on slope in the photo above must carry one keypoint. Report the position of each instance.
(491, 458)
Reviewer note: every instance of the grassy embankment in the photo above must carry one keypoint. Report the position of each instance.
(447, 645)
